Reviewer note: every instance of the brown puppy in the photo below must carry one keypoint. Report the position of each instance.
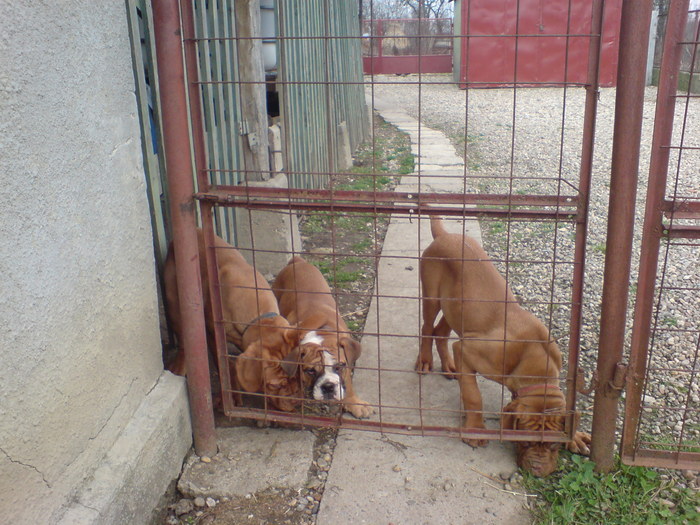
(459, 279)
(253, 324)
(305, 298)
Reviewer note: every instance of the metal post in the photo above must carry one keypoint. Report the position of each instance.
(171, 83)
(629, 105)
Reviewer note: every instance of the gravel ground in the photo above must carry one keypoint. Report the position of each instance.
(546, 143)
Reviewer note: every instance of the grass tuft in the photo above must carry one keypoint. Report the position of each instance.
(627, 495)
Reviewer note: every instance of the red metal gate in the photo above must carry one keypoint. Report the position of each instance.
(665, 349)
(551, 39)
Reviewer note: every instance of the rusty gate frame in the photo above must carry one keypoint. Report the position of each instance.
(175, 27)
(658, 225)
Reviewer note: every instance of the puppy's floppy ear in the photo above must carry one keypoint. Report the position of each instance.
(510, 417)
(249, 369)
(290, 363)
(350, 348)
(291, 337)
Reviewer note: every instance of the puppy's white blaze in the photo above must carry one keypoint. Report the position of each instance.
(312, 337)
(328, 382)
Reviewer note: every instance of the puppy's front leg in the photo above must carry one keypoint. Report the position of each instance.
(351, 402)
(471, 395)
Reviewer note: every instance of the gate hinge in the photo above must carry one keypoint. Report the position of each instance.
(581, 381)
(617, 383)
(243, 128)
(619, 377)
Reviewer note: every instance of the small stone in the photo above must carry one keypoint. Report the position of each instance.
(313, 483)
(688, 474)
(667, 503)
(172, 520)
(396, 468)
(248, 496)
(183, 507)
(327, 458)
(505, 475)
(211, 503)
(205, 459)
(199, 501)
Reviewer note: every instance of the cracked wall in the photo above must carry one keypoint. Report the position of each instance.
(79, 336)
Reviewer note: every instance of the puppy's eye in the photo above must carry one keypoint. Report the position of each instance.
(338, 368)
(310, 371)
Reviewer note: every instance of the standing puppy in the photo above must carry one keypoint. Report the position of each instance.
(497, 339)
(305, 299)
(252, 320)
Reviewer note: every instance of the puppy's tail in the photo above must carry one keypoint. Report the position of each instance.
(436, 226)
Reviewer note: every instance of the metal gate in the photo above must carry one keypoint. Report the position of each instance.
(534, 222)
(517, 204)
(665, 349)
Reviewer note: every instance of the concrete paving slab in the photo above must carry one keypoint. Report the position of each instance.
(416, 480)
(249, 460)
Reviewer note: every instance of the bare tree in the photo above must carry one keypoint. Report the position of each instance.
(430, 8)
(384, 9)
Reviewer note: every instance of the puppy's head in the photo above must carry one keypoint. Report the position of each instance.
(536, 413)
(320, 373)
(259, 368)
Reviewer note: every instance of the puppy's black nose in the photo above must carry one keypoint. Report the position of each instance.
(328, 389)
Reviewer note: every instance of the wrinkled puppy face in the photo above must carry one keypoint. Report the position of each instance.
(539, 458)
(321, 374)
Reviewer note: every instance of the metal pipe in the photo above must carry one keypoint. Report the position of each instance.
(629, 106)
(585, 176)
(200, 162)
(171, 83)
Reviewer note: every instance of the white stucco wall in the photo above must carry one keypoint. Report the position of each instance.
(79, 340)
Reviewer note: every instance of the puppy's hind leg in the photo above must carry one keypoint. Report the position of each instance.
(471, 396)
(441, 333)
(424, 362)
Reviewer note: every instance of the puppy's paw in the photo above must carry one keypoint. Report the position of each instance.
(449, 370)
(475, 443)
(358, 408)
(424, 366)
(580, 444)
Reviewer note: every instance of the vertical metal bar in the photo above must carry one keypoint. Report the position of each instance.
(648, 264)
(200, 161)
(629, 105)
(586, 168)
(179, 168)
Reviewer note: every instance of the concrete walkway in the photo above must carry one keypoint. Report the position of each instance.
(404, 479)
(384, 479)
